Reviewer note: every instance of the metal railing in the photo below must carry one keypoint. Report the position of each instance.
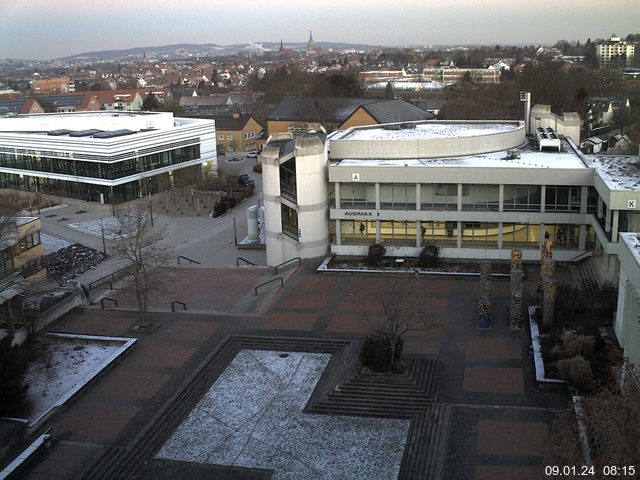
(239, 259)
(581, 256)
(115, 302)
(111, 277)
(190, 260)
(255, 290)
(173, 305)
(284, 264)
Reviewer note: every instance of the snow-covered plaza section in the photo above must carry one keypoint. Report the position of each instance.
(110, 225)
(252, 417)
(63, 364)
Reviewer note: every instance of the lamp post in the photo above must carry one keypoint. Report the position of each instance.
(104, 243)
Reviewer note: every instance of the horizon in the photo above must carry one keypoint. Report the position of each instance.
(82, 27)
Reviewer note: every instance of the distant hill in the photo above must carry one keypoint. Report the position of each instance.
(210, 49)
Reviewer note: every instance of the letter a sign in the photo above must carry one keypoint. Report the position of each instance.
(355, 177)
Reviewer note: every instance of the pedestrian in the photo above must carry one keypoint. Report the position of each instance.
(423, 231)
(362, 229)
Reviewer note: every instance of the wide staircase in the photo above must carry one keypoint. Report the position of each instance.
(588, 271)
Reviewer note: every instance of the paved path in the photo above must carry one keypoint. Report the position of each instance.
(500, 419)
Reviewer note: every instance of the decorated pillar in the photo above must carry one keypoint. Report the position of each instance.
(484, 302)
(515, 311)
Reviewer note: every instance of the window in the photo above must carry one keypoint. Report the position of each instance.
(357, 232)
(440, 196)
(522, 198)
(562, 199)
(220, 137)
(289, 221)
(398, 196)
(229, 136)
(481, 197)
(357, 195)
(229, 148)
(521, 234)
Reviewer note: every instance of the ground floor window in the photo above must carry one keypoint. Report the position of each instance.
(480, 235)
(357, 232)
(521, 235)
(400, 233)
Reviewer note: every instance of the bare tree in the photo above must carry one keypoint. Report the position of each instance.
(398, 314)
(141, 246)
(610, 420)
(9, 278)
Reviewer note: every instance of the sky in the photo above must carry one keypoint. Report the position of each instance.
(45, 29)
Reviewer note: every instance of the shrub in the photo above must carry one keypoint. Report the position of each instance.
(576, 372)
(376, 254)
(429, 256)
(13, 391)
(219, 209)
(574, 345)
(376, 352)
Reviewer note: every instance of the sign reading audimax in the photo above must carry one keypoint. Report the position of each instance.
(361, 213)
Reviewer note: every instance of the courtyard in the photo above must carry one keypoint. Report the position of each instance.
(204, 394)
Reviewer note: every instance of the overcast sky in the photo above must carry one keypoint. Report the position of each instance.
(44, 29)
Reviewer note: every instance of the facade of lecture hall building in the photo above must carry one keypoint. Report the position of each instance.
(477, 189)
(103, 156)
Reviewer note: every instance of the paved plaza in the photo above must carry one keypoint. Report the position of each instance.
(498, 420)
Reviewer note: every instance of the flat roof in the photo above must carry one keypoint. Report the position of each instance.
(632, 240)
(428, 130)
(619, 172)
(528, 157)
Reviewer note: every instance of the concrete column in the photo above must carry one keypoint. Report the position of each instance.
(459, 236)
(459, 197)
(600, 206)
(584, 197)
(377, 223)
(500, 236)
(418, 199)
(543, 197)
(614, 225)
(336, 192)
(501, 199)
(607, 221)
(611, 270)
(378, 197)
(418, 234)
(582, 238)
(541, 235)
(338, 232)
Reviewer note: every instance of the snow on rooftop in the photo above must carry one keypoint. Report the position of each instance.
(619, 172)
(633, 243)
(528, 158)
(430, 130)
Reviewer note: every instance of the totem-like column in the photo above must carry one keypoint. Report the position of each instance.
(484, 303)
(515, 313)
(549, 301)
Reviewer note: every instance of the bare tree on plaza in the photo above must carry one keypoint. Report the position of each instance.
(140, 245)
(398, 315)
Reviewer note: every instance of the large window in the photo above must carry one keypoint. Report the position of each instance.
(357, 232)
(481, 197)
(289, 221)
(562, 199)
(521, 235)
(440, 233)
(357, 195)
(398, 196)
(398, 232)
(439, 196)
(525, 198)
(480, 235)
(288, 179)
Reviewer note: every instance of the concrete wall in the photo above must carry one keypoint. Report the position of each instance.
(428, 147)
(567, 125)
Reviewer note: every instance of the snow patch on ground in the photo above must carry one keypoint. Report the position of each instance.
(94, 227)
(52, 244)
(252, 417)
(60, 366)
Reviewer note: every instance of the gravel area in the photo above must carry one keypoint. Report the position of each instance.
(252, 417)
(71, 261)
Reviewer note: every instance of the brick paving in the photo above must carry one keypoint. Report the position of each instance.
(500, 418)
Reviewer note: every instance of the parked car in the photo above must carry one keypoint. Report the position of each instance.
(253, 154)
(246, 181)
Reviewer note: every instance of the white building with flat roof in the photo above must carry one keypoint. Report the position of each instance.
(103, 156)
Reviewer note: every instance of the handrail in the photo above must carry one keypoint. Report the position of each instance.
(187, 258)
(255, 290)
(294, 259)
(581, 256)
(111, 276)
(115, 302)
(173, 305)
(244, 260)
